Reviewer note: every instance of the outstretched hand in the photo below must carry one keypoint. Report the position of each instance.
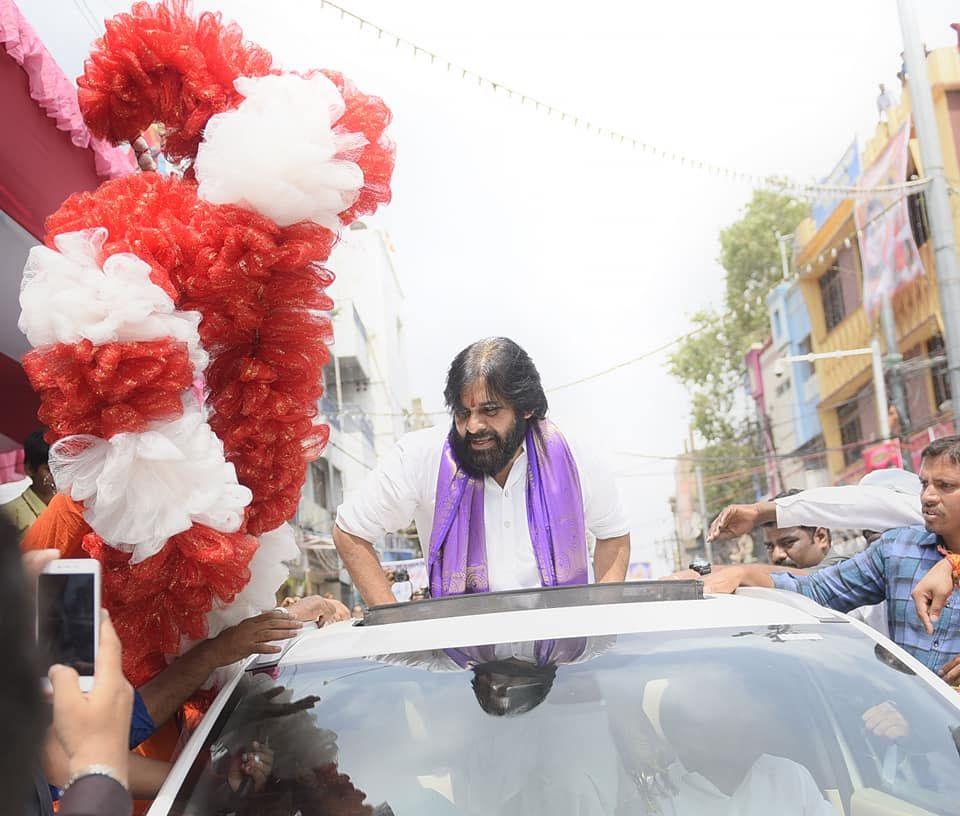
(254, 636)
(932, 592)
(733, 522)
(316, 608)
(265, 705)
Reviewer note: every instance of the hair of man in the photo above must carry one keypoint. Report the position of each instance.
(505, 369)
(948, 446)
(36, 451)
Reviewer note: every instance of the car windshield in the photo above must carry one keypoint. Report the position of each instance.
(813, 719)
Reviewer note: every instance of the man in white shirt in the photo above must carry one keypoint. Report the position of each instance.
(501, 500)
(883, 500)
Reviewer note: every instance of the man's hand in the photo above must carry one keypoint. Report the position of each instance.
(950, 672)
(886, 721)
(254, 763)
(316, 608)
(723, 582)
(253, 636)
(94, 728)
(931, 593)
(734, 521)
(141, 150)
(264, 706)
(683, 575)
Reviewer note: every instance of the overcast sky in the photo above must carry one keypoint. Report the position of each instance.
(584, 251)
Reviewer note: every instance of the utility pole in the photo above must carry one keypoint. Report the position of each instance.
(937, 195)
(880, 389)
(894, 363)
(701, 497)
(677, 547)
(784, 261)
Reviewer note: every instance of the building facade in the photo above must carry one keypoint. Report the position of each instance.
(366, 401)
(831, 280)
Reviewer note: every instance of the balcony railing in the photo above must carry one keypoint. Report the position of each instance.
(331, 413)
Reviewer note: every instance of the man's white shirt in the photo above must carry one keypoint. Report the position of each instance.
(858, 507)
(404, 486)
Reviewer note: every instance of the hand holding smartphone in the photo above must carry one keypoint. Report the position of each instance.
(68, 617)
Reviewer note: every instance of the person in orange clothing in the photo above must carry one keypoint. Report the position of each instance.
(60, 526)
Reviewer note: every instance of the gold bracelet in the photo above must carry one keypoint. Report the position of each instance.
(94, 770)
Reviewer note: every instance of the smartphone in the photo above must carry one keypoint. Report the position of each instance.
(68, 616)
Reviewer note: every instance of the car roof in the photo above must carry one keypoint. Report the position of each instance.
(747, 609)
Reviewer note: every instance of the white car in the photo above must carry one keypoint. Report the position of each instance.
(619, 699)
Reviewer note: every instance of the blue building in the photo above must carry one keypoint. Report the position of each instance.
(791, 390)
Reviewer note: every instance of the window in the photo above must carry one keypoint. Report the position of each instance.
(840, 288)
(804, 370)
(831, 292)
(321, 482)
(917, 209)
(336, 489)
(777, 325)
(851, 432)
(375, 736)
(941, 380)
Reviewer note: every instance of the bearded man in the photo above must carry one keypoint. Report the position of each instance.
(501, 496)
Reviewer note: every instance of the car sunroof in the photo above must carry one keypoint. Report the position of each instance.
(539, 598)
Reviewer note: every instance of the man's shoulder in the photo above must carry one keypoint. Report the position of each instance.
(901, 539)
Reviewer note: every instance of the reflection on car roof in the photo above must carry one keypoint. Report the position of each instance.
(343, 640)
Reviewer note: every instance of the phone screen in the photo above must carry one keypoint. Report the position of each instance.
(66, 620)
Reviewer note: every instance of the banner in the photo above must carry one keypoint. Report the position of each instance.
(883, 455)
(888, 253)
(844, 174)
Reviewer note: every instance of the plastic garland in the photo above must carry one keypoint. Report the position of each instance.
(164, 308)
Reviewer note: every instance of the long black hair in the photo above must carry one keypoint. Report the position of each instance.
(506, 370)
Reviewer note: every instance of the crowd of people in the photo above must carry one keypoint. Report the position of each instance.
(505, 501)
(900, 582)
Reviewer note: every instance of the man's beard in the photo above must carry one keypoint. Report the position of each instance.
(490, 461)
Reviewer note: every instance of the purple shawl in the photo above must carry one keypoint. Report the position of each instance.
(457, 561)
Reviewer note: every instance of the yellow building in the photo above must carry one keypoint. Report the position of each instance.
(828, 262)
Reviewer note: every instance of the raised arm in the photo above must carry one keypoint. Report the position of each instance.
(362, 563)
(166, 692)
(859, 507)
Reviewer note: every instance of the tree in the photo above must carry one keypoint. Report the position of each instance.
(709, 362)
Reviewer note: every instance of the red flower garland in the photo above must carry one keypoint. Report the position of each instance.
(109, 389)
(159, 64)
(155, 603)
(258, 287)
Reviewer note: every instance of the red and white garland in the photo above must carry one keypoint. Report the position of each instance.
(178, 325)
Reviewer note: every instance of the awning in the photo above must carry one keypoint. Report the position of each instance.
(46, 153)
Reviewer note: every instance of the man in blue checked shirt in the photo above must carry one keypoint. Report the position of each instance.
(890, 569)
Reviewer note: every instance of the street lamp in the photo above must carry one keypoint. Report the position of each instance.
(879, 384)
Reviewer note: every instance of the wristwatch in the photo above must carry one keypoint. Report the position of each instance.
(700, 565)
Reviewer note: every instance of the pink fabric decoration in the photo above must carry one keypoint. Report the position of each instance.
(55, 93)
(11, 465)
